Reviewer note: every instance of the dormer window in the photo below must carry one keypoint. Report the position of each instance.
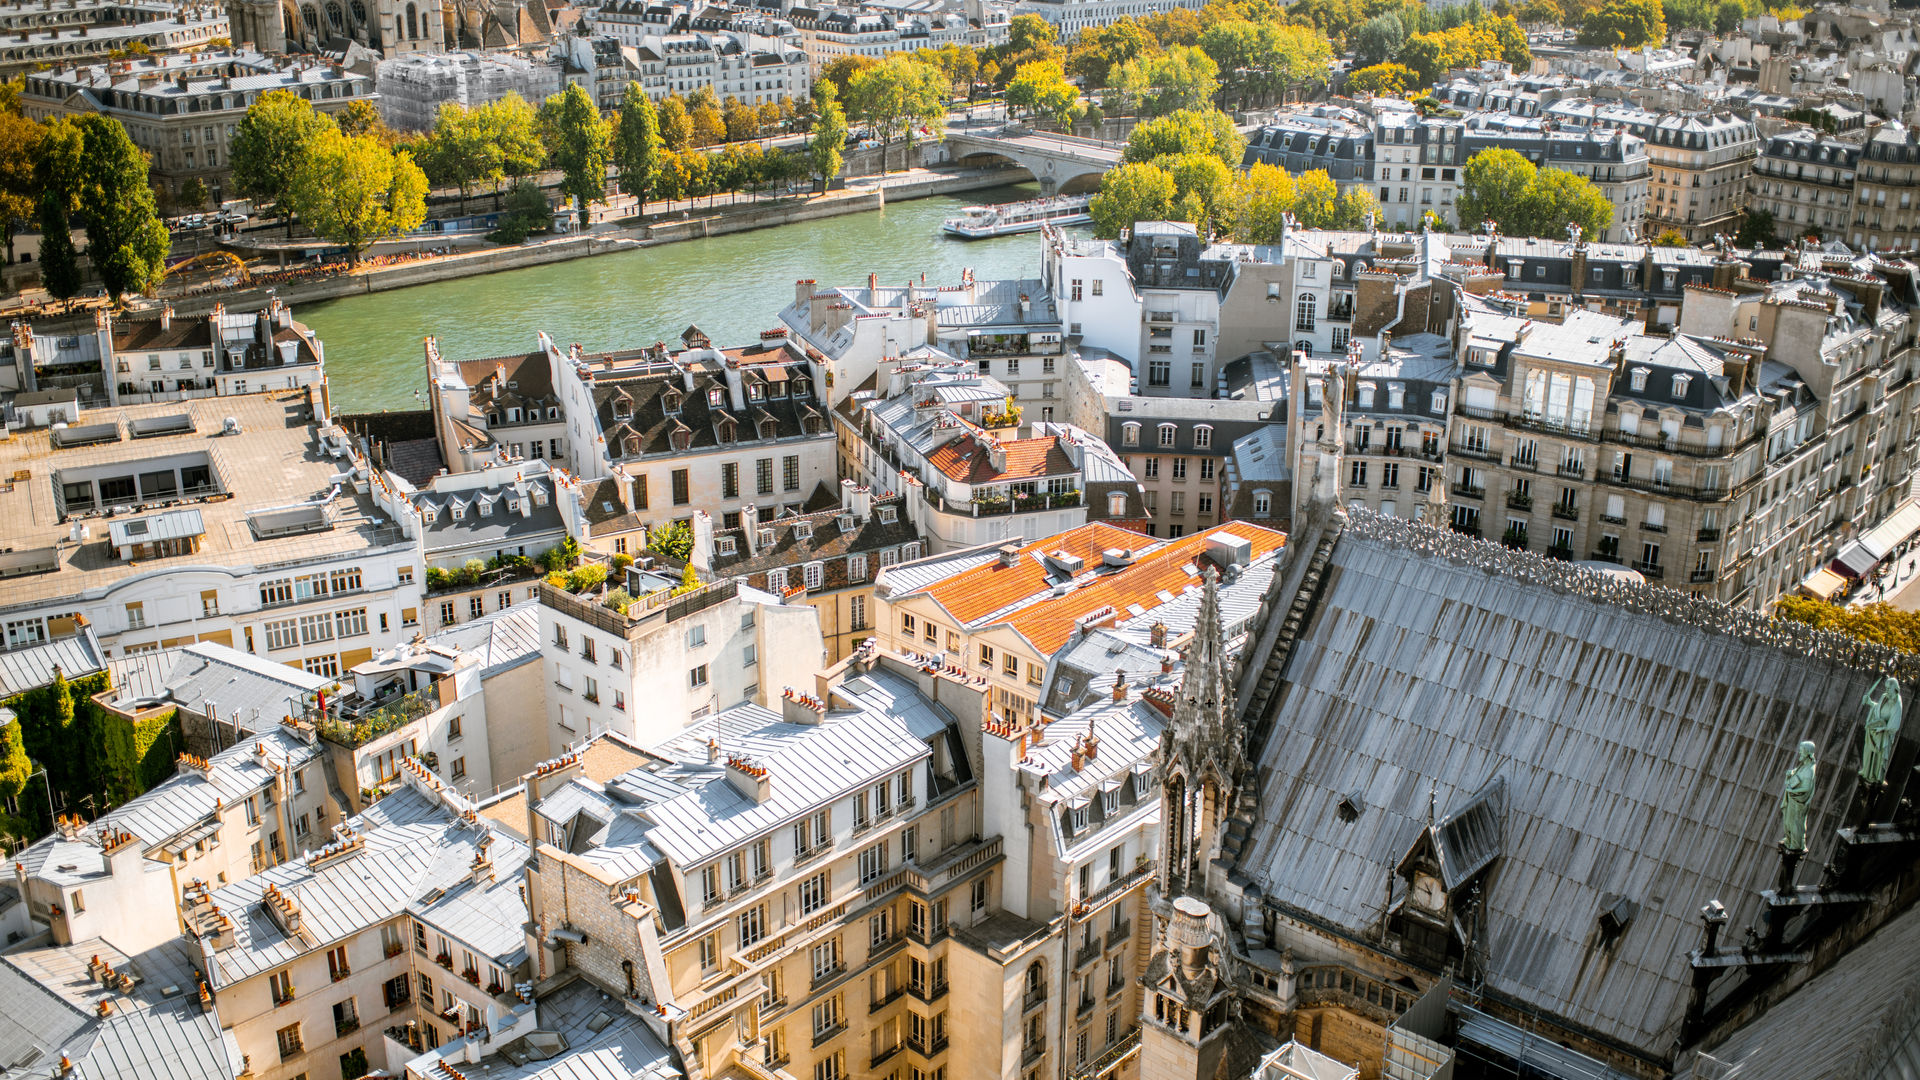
(1637, 379)
(553, 413)
(631, 444)
(724, 545)
(622, 407)
(1680, 386)
(766, 538)
(1077, 817)
(887, 515)
(1130, 433)
(539, 497)
(1109, 799)
(670, 401)
(1366, 395)
(800, 388)
(485, 508)
(803, 530)
(1140, 783)
(713, 396)
(429, 514)
(756, 392)
(459, 512)
(845, 522)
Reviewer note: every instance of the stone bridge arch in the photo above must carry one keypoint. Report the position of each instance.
(1064, 170)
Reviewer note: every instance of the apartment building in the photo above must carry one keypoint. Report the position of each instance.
(828, 559)
(1885, 193)
(259, 802)
(1072, 16)
(1326, 137)
(1002, 616)
(414, 85)
(1699, 162)
(938, 433)
(699, 429)
(671, 659)
(1731, 457)
(41, 35)
(801, 890)
(225, 519)
(1392, 420)
(132, 362)
(1805, 179)
(406, 926)
(181, 109)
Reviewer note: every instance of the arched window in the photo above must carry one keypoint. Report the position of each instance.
(359, 13)
(312, 20)
(336, 17)
(1304, 346)
(413, 22)
(1303, 312)
(1036, 979)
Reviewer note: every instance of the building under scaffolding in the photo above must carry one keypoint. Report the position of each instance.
(413, 87)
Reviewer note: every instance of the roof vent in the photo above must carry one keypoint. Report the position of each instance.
(1117, 557)
(1352, 805)
(1616, 914)
(1066, 562)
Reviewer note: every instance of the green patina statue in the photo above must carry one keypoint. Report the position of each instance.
(1882, 728)
(1795, 793)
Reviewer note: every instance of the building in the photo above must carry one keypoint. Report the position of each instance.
(1392, 422)
(828, 559)
(1072, 16)
(1699, 161)
(940, 434)
(1003, 616)
(414, 86)
(42, 36)
(505, 403)
(668, 660)
(1337, 141)
(407, 926)
(181, 109)
(232, 519)
(1884, 195)
(1615, 161)
(164, 359)
(507, 646)
(1805, 179)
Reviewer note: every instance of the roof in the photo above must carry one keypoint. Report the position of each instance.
(967, 461)
(501, 641)
(76, 656)
(598, 1039)
(1022, 596)
(1640, 738)
(238, 684)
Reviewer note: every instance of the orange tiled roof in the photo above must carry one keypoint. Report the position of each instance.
(966, 461)
(1048, 622)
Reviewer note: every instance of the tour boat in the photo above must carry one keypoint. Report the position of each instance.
(980, 222)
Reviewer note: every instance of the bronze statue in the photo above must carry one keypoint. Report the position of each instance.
(1882, 728)
(1795, 793)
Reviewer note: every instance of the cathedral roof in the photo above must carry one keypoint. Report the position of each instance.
(1578, 742)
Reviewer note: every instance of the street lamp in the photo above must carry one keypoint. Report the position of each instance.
(42, 772)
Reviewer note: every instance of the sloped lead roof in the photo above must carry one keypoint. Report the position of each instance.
(1641, 753)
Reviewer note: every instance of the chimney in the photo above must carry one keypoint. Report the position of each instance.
(1157, 634)
(1009, 554)
(750, 528)
(166, 317)
(798, 708)
(803, 292)
(713, 750)
(1119, 685)
(873, 286)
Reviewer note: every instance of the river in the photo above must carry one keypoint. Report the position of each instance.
(732, 287)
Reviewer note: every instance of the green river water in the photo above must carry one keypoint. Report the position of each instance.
(732, 287)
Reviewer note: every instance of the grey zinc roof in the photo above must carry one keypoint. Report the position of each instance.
(24, 669)
(505, 639)
(593, 1048)
(1641, 755)
(35, 1025)
(487, 916)
(256, 689)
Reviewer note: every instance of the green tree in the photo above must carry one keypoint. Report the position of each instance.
(1491, 187)
(269, 144)
(898, 97)
(1131, 193)
(742, 121)
(1189, 131)
(456, 153)
(1541, 13)
(1042, 89)
(636, 143)
(15, 770)
(512, 129)
(676, 127)
(841, 72)
(1513, 41)
(194, 194)
(829, 133)
(1379, 39)
(1624, 24)
(1670, 238)
(353, 191)
(1097, 50)
(1183, 77)
(1381, 80)
(673, 539)
(1262, 199)
(527, 211)
(1557, 198)
(20, 141)
(362, 117)
(1203, 190)
(126, 242)
(1757, 229)
(577, 141)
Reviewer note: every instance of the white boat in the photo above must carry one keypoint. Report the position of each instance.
(980, 222)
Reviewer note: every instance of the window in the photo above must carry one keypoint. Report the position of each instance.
(1303, 312)
(790, 472)
(752, 925)
(1202, 436)
(873, 863)
(680, 495)
(814, 890)
(696, 636)
(289, 1038)
(826, 961)
(1130, 434)
(1159, 373)
(697, 678)
(710, 953)
(1179, 468)
(729, 480)
(1151, 469)
(1168, 434)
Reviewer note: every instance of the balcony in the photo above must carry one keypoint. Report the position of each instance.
(884, 1055)
(1700, 577)
(1473, 450)
(1606, 556)
(1559, 551)
(1085, 1006)
(1120, 934)
(1088, 954)
(1126, 1047)
(826, 1035)
(345, 1024)
(1652, 570)
(1529, 464)
(1031, 1053)
(1519, 501)
(354, 721)
(1651, 527)
(1467, 491)
(1571, 470)
(1033, 1000)
(1707, 536)
(1566, 513)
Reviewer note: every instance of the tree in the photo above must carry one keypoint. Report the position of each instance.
(361, 117)
(1379, 38)
(1624, 23)
(456, 153)
(1557, 198)
(126, 242)
(578, 144)
(1541, 13)
(1381, 80)
(20, 141)
(1262, 197)
(194, 194)
(1183, 77)
(1491, 187)
(1042, 89)
(1099, 49)
(1203, 190)
(512, 129)
(672, 539)
(829, 133)
(1190, 131)
(742, 122)
(59, 263)
(956, 63)
(352, 191)
(1756, 229)
(636, 143)
(899, 97)
(1131, 193)
(270, 143)
(1512, 40)
(527, 211)
(676, 127)
(842, 70)
(1670, 238)
(1880, 623)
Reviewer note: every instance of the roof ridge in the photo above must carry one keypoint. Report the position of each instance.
(1639, 597)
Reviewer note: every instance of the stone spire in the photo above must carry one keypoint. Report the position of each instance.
(1202, 753)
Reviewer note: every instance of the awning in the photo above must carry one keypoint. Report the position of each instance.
(1823, 584)
(1891, 533)
(1854, 560)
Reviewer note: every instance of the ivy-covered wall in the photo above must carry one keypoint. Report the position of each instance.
(86, 751)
